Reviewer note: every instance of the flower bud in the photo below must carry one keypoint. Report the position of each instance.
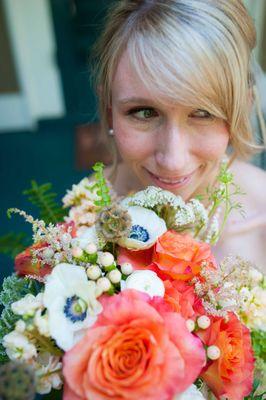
(77, 252)
(203, 322)
(91, 248)
(106, 259)
(115, 276)
(126, 268)
(20, 326)
(94, 272)
(104, 284)
(190, 325)
(213, 352)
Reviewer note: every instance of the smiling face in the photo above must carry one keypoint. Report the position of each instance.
(173, 146)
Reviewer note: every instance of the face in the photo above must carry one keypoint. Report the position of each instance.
(175, 147)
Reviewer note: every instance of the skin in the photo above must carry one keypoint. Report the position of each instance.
(169, 141)
(173, 141)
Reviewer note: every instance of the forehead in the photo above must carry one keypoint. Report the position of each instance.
(127, 83)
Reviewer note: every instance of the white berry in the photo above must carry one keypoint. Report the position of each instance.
(190, 325)
(77, 252)
(104, 284)
(126, 268)
(106, 259)
(91, 248)
(213, 352)
(203, 322)
(94, 272)
(115, 276)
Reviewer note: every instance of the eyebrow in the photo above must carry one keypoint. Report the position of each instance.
(141, 100)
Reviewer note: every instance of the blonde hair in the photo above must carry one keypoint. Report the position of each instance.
(193, 52)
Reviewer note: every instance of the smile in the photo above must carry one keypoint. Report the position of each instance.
(170, 183)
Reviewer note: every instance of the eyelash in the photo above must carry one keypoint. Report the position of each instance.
(138, 109)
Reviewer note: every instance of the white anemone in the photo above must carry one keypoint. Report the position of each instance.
(71, 302)
(145, 230)
(145, 281)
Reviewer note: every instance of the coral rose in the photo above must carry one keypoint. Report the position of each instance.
(180, 256)
(232, 374)
(24, 264)
(182, 299)
(137, 349)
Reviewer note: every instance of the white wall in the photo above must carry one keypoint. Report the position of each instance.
(32, 38)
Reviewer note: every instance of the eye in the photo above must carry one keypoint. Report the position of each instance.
(201, 114)
(143, 113)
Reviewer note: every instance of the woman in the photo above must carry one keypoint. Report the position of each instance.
(176, 92)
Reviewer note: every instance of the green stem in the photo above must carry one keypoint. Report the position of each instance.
(46, 344)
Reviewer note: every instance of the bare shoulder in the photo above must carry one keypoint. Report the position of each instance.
(252, 181)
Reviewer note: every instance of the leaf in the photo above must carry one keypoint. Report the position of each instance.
(259, 344)
(14, 288)
(43, 198)
(12, 243)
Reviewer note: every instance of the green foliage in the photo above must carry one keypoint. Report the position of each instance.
(12, 243)
(259, 344)
(253, 395)
(13, 289)
(43, 198)
(223, 194)
(100, 185)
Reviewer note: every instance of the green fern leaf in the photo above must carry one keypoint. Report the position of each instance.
(12, 243)
(43, 198)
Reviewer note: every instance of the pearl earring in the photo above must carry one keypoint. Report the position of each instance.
(111, 132)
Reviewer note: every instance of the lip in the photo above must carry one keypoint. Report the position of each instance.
(175, 182)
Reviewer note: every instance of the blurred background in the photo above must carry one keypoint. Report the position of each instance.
(48, 112)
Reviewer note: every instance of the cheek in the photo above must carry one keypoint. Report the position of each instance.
(133, 145)
(213, 144)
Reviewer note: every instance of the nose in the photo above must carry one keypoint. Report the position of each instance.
(172, 149)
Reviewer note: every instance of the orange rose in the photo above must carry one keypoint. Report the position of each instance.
(182, 299)
(137, 349)
(232, 374)
(180, 256)
(24, 264)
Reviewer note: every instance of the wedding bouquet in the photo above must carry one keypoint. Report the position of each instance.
(123, 299)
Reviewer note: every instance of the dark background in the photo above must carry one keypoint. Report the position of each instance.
(49, 153)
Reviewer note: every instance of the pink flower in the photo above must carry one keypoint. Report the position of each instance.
(138, 349)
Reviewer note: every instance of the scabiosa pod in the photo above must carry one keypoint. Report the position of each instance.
(17, 381)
